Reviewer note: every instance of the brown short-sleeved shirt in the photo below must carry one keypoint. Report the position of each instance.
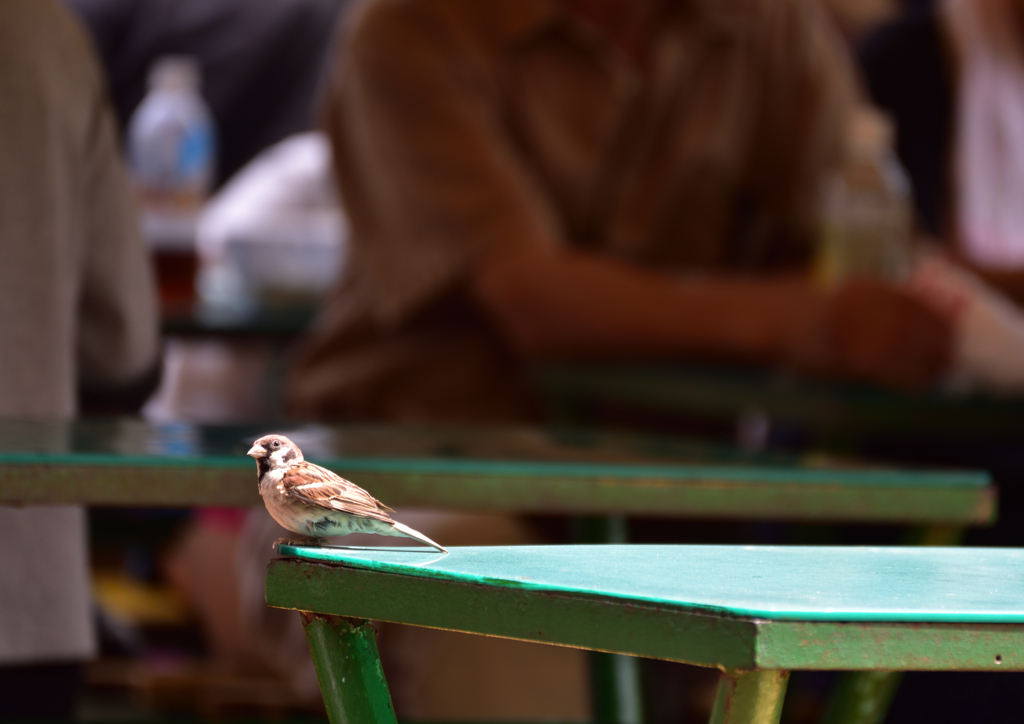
(461, 126)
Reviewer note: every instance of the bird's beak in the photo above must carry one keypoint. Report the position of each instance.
(256, 451)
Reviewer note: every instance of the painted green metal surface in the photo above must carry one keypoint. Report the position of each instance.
(654, 619)
(891, 646)
(750, 697)
(863, 697)
(825, 410)
(508, 470)
(529, 615)
(957, 585)
(348, 668)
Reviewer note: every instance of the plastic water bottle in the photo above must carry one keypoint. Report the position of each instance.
(172, 156)
(867, 227)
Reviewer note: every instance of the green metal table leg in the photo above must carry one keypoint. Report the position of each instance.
(750, 697)
(863, 697)
(614, 679)
(348, 668)
(935, 535)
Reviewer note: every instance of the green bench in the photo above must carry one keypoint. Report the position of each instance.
(506, 470)
(756, 613)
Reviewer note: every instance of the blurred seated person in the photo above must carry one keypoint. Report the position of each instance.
(262, 61)
(951, 74)
(79, 328)
(587, 180)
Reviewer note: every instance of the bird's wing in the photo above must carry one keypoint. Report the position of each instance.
(315, 485)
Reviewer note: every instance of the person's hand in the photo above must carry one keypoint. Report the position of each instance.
(872, 331)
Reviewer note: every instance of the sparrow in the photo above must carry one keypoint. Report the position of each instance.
(312, 501)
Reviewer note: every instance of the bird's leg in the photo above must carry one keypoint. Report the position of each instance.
(309, 540)
(289, 542)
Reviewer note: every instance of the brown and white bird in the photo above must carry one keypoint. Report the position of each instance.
(312, 501)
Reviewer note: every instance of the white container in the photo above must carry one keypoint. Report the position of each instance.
(867, 216)
(274, 236)
(172, 155)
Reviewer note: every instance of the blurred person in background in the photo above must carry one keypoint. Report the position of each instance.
(79, 323)
(855, 17)
(261, 61)
(587, 180)
(261, 64)
(951, 74)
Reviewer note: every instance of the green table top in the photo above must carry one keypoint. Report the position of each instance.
(928, 584)
(829, 412)
(735, 606)
(495, 469)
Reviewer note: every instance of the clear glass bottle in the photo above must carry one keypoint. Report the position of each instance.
(867, 214)
(172, 157)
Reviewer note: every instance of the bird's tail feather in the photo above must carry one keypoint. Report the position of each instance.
(406, 530)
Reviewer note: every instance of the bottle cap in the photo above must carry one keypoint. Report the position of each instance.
(177, 72)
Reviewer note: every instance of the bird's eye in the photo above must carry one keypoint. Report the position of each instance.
(277, 443)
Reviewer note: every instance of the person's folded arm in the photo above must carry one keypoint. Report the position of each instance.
(1008, 281)
(558, 304)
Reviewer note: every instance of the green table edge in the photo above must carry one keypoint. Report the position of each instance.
(682, 472)
(326, 556)
(697, 637)
(680, 491)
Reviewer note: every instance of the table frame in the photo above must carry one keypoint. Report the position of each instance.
(756, 655)
(738, 492)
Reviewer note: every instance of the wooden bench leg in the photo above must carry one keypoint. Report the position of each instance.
(348, 668)
(863, 697)
(750, 697)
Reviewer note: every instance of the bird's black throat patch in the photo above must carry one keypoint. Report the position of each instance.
(262, 466)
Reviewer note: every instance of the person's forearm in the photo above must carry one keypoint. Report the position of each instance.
(1010, 282)
(562, 304)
